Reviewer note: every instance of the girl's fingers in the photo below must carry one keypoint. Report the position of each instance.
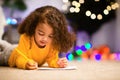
(31, 66)
(63, 62)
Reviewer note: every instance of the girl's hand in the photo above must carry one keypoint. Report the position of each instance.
(31, 65)
(62, 62)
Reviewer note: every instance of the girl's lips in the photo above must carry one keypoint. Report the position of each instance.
(41, 46)
(42, 43)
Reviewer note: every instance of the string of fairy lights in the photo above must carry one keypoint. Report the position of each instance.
(87, 51)
(74, 7)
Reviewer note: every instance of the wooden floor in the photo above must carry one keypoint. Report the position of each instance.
(86, 70)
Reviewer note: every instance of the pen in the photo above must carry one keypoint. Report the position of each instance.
(21, 53)
(24, 56)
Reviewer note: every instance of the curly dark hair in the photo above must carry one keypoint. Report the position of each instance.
(63, 40)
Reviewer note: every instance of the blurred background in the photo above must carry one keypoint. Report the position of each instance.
(96, 24)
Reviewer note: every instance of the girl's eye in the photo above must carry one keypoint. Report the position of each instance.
(51, 36)
(40, 33)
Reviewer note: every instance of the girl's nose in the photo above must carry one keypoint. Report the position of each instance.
(45, 38)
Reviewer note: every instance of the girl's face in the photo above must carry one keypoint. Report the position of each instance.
(43, 35)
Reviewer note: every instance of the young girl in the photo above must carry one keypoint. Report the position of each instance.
(44, 35)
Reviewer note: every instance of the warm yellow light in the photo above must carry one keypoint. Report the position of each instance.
(106, 12)
(113, 6)
(99, 17)
(72, 9)
(77, 10)
(74, 3)
(77, 5)
(117, 5)
(81, 1)
(108, 8)
(93, 16)
(88, 13)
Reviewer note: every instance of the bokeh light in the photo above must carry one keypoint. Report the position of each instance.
(79, 52)
(88, 45)
(70, 56)
(11, 21)
(83, 48)
(97, 57)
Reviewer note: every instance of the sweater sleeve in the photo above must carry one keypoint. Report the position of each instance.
(16, 59)
(21, 62)
(52, 59)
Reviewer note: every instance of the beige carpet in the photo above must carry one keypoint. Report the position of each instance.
(87, 70)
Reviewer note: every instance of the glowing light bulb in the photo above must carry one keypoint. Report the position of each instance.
(72, 9)
(93, 16)
(97, 57)
(88, 45)
(99, 17)
(109, 8)
(70, 56)
(106, 12)
(88, 13)
(77, 10)
(79, 52)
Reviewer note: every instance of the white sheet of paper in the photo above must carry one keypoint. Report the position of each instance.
(66, 68)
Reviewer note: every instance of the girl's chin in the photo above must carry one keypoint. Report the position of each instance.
(40, 46)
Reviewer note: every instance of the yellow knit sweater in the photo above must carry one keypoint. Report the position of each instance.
(40, 55)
